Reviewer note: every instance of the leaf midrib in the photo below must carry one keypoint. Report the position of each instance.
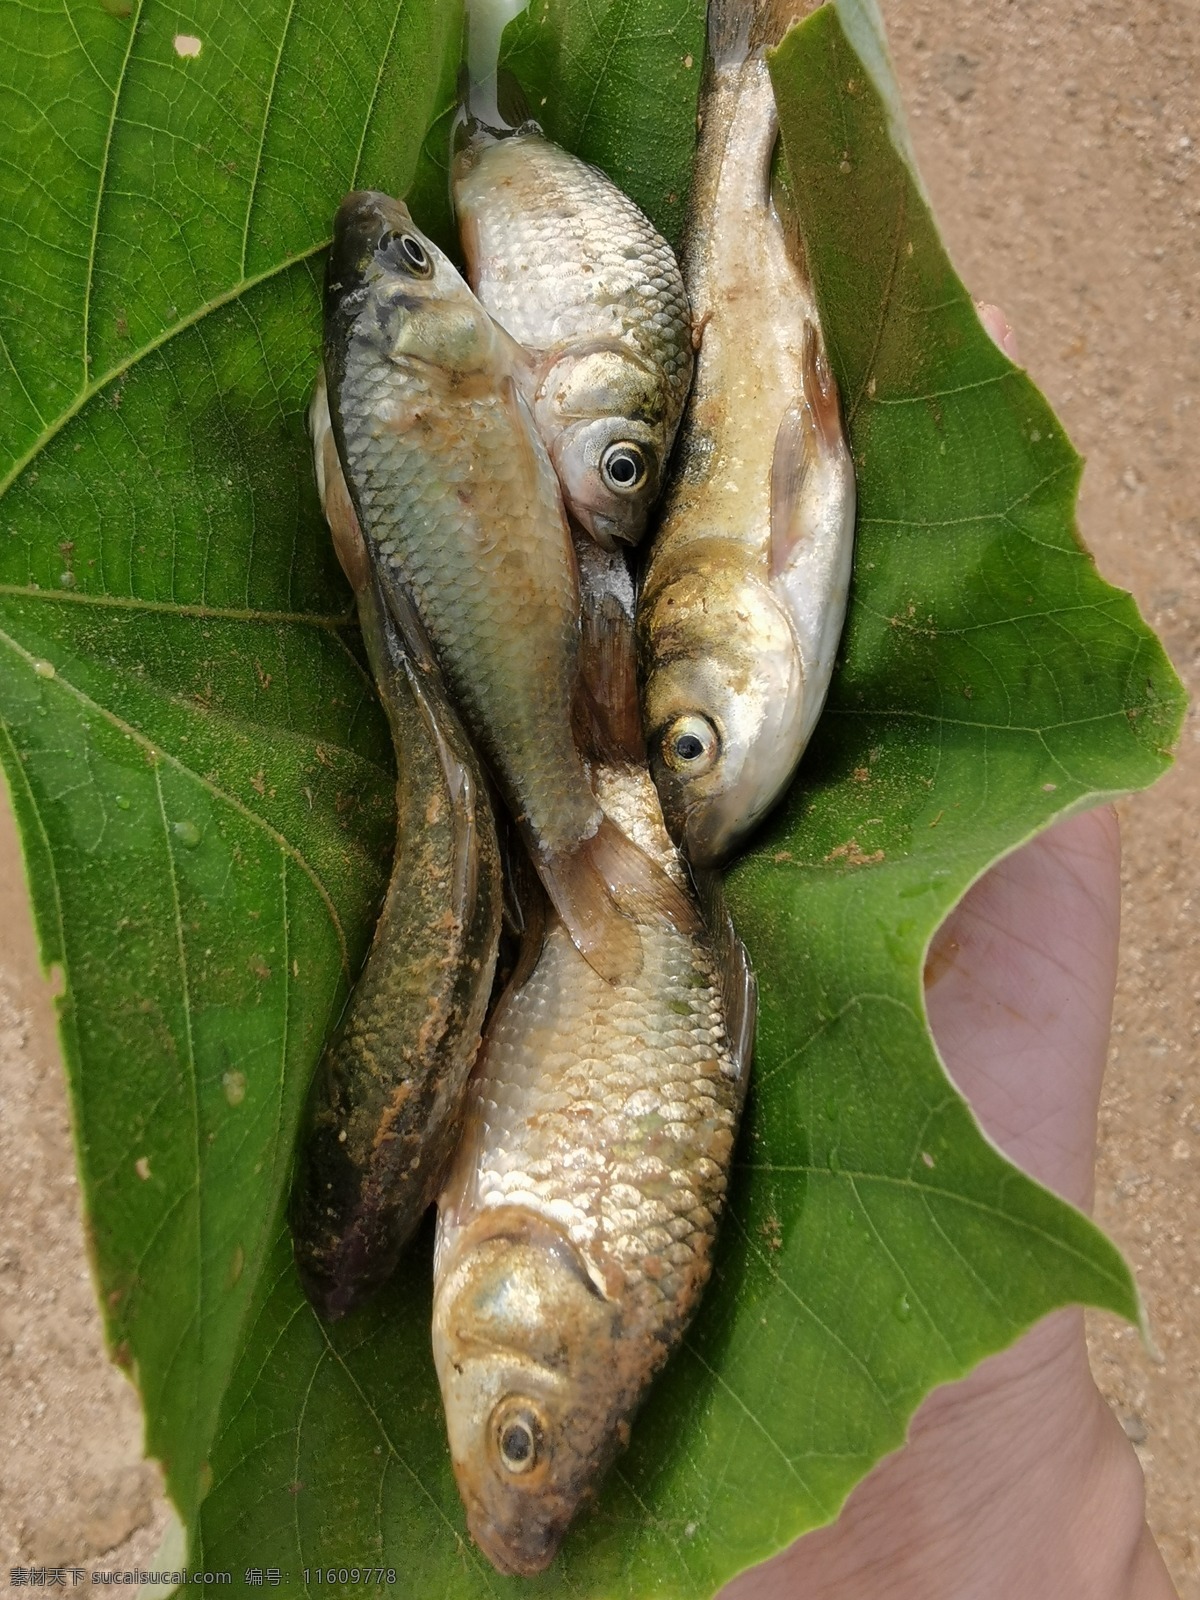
(223, 796)
(331, 622)
(102, 182)
(118, 370)
(927, 1191)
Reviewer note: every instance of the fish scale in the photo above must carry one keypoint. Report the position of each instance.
(577, 1225)
(575, 273)
(584, 258)
(459, 501)
(442, 482)
(645, 1070)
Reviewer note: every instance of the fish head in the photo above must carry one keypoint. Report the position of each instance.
(723, 698)
(604, 413)
(388, 285)
(530, 1360)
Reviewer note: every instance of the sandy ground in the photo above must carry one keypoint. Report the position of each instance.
(1057, 143)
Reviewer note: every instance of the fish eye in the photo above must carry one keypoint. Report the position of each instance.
(623, 467)
(407, 252)
(690, 746)
(519, 1436)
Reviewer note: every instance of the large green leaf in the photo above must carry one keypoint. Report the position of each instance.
(202, 779)
(198, 765)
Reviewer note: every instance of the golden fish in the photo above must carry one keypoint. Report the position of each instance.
(459, 503)
(386, 1105)
(748, 579)
(580, 277)
(577, 1225)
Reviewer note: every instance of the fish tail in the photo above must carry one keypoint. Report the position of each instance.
(736, 28)
(491, 101)
(585, 887)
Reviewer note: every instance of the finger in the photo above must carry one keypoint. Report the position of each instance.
(1019, 991)
(1001, 330)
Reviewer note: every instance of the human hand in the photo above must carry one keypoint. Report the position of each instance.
(1017, 1481)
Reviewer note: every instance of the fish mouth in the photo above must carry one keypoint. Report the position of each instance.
(603, 530)
(368, 211)
(708, 836)
(533, 1553)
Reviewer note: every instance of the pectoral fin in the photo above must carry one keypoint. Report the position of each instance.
(809, 434)
(334, 492)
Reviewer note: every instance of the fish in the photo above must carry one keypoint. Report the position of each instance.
(386, 1104)
(748, 578)
(579, 276)
(460, 506)
(577, 1225)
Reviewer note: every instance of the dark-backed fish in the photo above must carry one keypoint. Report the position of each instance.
(460, 505)
(386, 1105)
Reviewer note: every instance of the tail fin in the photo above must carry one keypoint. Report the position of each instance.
(491, 101)
(736, 28)
(601, 888)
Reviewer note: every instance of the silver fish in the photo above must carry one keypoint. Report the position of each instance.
(577, 1225)
(459, 503)
(386, 1104)
(748, 579)
(581, 278)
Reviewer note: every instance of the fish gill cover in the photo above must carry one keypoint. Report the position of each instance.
(202, 777)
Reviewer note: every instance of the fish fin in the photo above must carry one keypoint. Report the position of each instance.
(810, 430)
(527, 442)
(348, 542)
(584, 888)
(513, 103)
(787, 213)
(738, 28)
(642, 883)
(460, 1187)
(402, 607)
(580, 888)
(607, 701)
(525, 909)
(739, 986)
(821, 391)
(534, 464)
(728, 31)
(491, 102)
(466, 125)
(773, 18)
(460, 1184)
